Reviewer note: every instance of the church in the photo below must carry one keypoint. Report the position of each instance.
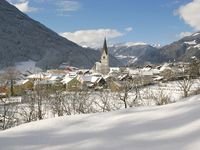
(103, 65)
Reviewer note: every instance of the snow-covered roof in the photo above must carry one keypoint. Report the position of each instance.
(45, 82)
(37, 76)
(21, 82)
(122, 76)
(146, 69)
(158, 78)
(68, 78)
(164, 67)
(89, 78)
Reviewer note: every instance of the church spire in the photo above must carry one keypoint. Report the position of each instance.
(105, 47)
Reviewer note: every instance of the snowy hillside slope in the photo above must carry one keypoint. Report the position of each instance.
(170, 127)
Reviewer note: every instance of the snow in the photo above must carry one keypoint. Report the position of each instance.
(11, 100)
(194, 46)
(169, 127)
(191, 42)
(125, 56)
(37, 76)
(195, 34)
(197, 46)
(164, 67)
(156, 45)
(68, 78)
(21, 82)
(129, 44)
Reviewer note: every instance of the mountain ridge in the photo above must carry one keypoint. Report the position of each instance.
(24, 39)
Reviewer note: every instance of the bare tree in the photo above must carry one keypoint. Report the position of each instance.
(57, 102)
(160, 97)
(185, 85)
(8, 111)
(184, 81)
(130, 89)
(103, 101)
(80, 102)
(193, 68)
(126, 88)
(10, 75)
(27, 111)
(137, 83)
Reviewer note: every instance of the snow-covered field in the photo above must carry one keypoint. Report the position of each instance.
(171, 127)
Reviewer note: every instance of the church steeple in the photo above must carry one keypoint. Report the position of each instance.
(105, 48)
(105, 59)
(103, 65)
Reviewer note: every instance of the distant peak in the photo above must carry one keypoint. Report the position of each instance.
(156, 45)
(129, 44)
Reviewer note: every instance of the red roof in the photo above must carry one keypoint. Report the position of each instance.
(3, 90)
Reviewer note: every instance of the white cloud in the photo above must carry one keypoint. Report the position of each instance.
(91, 38)
(129, 29)
(67, 5)
(184, 34)
(23, 5)
(190, 13)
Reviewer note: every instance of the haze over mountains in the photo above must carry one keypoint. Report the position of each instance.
(24, 39)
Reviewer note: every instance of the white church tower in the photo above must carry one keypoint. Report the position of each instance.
(105, 69)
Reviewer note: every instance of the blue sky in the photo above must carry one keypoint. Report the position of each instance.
(86, 22)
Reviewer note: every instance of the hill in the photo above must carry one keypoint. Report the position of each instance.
(24, 39)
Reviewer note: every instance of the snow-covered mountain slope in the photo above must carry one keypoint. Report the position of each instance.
(135, 53)
(183, 49)
(23, 39)
(170, 127)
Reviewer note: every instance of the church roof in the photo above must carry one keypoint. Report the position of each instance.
(105, 48)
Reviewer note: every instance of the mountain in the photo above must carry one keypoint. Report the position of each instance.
(141, 53)
(169, 127)
(24, 39)
(135, 53)
(183, 49)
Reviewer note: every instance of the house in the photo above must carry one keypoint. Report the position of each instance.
(56, 71)
(66, 81)
(48, 85)
(92, 81)
(38, 76)
(114, 86)
(3, 91)
(22, 86)
(73, 85)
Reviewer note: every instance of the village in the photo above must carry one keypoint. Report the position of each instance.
(72, 78)
(98, 78)
(31, 96)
